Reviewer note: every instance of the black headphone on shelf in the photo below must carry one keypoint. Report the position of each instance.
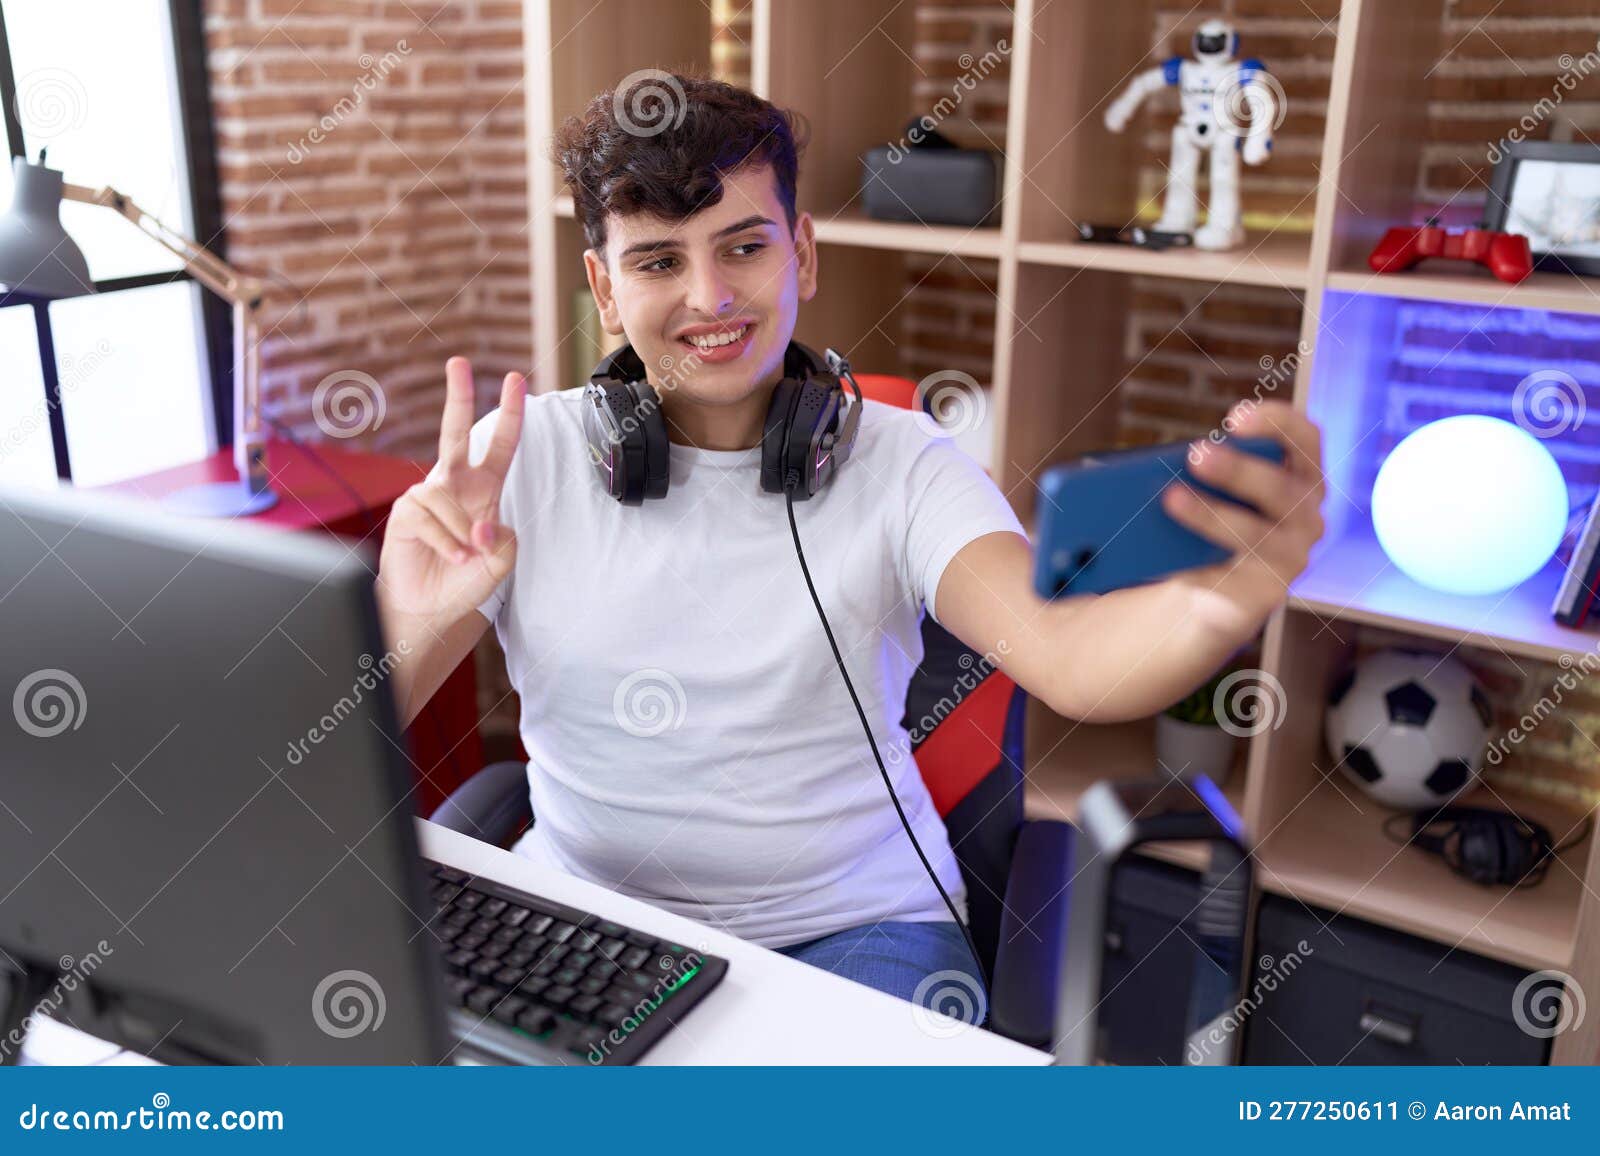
(807, 435)
(1494, 848)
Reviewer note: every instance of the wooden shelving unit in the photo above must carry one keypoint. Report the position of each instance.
(1352, 579)
(1278, 261)
(1061, 312)
(1065, 757)
(1470, 285)
(1343, 861)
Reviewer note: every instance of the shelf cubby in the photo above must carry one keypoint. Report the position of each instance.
(1321, 840)
(1331, 851)
(1278, 260)
(1067, 757)
(835, 61)
(1455, 282)
(1352, 579)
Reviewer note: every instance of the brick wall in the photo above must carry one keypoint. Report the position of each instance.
(373, 164)
(371, 155)
(950, 314)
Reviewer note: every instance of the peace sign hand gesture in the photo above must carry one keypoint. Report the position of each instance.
(444, 550)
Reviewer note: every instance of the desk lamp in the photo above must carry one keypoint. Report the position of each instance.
(40, 259)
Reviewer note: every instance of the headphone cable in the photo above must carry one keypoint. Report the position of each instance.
(792, 481)
(1450, 848)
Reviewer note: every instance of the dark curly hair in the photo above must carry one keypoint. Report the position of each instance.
(660, 142)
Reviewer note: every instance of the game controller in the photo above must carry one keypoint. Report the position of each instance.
(1507, 255)
(1144, 238)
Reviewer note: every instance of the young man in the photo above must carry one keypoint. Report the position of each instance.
(690, 740)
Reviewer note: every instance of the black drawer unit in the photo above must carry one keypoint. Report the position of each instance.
(1148, 963)
(1364, 994)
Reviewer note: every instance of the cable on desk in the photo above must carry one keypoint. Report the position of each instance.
(792, 482)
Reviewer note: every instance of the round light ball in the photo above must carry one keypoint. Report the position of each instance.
(1469, 505)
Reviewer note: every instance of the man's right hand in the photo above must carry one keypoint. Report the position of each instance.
(444, 550)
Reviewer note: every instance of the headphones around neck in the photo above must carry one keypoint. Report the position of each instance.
(807, 435)
(1495, 848)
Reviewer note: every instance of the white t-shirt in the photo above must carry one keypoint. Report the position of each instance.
(690, 739)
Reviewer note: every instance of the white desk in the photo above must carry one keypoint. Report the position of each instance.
(768, 1009)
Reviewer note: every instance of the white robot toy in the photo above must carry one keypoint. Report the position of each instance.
(1230, 107)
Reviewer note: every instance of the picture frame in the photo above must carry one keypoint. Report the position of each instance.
(1550, 192)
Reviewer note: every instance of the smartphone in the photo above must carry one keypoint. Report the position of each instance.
(1101, 527)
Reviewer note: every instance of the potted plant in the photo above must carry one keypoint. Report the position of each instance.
(1191, 740)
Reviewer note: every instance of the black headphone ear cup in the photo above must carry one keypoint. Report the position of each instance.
(652, 425)
(606, 409)
(815, 415)
(805, 406)
(625, 429)
(1519, 849)
(815, 448)
(1483, 851)
(775, 434)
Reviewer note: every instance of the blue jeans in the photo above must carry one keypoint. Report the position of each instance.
(926, 963)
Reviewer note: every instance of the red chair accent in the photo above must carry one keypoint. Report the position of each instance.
(957, 754)
(889, 389)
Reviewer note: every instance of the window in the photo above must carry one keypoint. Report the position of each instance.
(136, 377)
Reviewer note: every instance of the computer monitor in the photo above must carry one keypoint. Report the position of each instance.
(206, 840)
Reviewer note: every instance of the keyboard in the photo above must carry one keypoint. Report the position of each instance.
(531, 980)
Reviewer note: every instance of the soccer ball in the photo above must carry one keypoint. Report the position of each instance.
(1408, 727)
